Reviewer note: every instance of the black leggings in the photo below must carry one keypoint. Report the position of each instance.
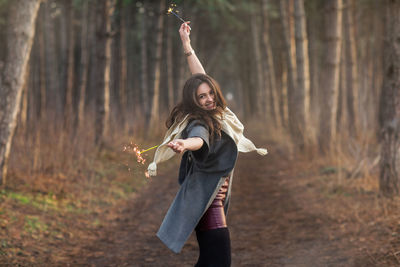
(215, 248)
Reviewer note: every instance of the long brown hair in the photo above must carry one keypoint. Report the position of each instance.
(190, 105)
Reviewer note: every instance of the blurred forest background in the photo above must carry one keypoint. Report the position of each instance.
(312, 70)
(79, 76)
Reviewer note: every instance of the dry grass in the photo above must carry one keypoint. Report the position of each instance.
(48, 150)
(61, 188)
(352, 162)
(344, 184)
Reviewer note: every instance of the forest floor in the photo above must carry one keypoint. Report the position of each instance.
(283, 213)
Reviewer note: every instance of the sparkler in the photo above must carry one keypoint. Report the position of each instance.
(174, 12)
(148, 149)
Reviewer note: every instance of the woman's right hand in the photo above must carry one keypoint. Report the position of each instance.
(181, 145)
(178, 145)
(184, 32)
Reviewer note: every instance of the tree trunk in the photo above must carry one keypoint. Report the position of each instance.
(341, 114)
(155, 107)
(93, 75)
(260, 90)
(84, 65)
(377, 63)
(246, 87)
(42, 70)
(52, 64)
(333, 29)
(20, 33)
(287, 24)
(123, 95)
(302, 91)
(143, 51)
(284, 109)
(69, 83)
(119, 74)
(389, 109)
(351, 68)
(103, 55)
(314, 18)
(24, 100)
(62, 41)
(270, 70)
(170, 66)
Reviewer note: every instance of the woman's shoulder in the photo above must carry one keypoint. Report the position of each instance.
(196, 127)
(196, 123)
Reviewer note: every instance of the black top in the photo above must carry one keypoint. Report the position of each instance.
(200, 176)
(216, 156)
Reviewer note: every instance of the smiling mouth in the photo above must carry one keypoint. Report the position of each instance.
(210, 106)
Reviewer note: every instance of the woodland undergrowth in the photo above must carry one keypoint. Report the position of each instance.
(62, 186)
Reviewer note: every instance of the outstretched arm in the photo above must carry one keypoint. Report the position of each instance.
(194, 63)
(181, 145)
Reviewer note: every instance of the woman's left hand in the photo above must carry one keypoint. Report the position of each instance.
(178, 145)
(184, 32)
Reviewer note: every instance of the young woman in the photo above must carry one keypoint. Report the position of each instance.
(209, 136)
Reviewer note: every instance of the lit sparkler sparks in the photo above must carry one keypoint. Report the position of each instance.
(172, 10)
(134, 149)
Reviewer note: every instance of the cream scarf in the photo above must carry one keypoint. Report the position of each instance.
(230, 125)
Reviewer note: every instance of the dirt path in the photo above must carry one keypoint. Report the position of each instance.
(270, 221)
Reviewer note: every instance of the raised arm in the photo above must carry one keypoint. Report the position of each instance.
(194, 63)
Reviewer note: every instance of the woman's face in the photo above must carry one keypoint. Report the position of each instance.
(205, 97)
